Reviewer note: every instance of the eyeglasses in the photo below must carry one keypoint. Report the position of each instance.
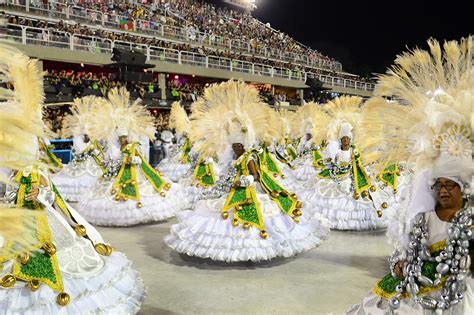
(448, 186)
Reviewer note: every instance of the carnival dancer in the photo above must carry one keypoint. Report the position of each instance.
(87, 165)
(344, 189)
(247, 215)
(432, 230)
(177, 162)
(130, 191)
(307, 125)
(61, 265)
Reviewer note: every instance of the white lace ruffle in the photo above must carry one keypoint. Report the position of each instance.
(344, 213)
(116, 290)
(207, 235)
(74, 188)
(100, 208)
(173, 168)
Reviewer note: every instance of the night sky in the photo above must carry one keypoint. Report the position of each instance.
(366, 36)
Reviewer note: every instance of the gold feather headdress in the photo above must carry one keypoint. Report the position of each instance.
(310, 118)
(275, 130)
(434, 131)
(20, 126)
(344, 117)
(83, 115)
(179, 119)
(120, 117)
(228, 112)
(21, 108)
(287, 118)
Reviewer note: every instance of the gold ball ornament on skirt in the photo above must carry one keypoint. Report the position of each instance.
(63, 299)
(49, 248)
(365, 194)
(297, 213)
(246, 225)
(139, 205)
(103, 249)
(235, 222)
(373, 188)
(385, 205)
(80, 230)
(34, 285)
(8, 281)
(24, 258)
(225, 215)
(379, 213)
(263, 234)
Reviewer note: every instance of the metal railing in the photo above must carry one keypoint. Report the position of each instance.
(59, 10)
(50, 38)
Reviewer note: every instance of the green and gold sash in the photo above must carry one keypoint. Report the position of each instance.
(244, 199)
(385, 288)
(204, 174)
(126, 184)
(268, 163)
(185, 152)
(389, 175)
(39, 266)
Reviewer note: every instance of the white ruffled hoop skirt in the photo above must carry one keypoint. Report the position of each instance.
(203, 233)
(96, 284)
(100, 208)
(173, 168)
(116, 290)
(73, 181)
(303, 172)
(327, 198)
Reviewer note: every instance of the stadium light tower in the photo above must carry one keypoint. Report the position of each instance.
(248, 5)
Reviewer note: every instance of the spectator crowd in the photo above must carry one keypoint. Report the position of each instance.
(202, 23)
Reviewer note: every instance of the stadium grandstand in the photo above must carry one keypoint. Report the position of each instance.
(188, 44)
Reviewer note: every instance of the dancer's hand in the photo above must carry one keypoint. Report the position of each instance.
(33, 195)
(398, 269)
